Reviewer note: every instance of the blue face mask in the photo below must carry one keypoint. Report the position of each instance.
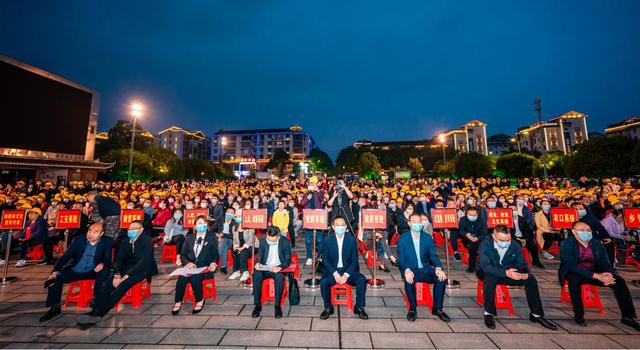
(177, 216)
(491, 204)
(416, 227)
(340, 230)
(504, 244)
(201, 228)
(228, 216)
(472, 218)
(546, 207)
(585, 236)
(239, 220)
(582, 213)
(132, 234)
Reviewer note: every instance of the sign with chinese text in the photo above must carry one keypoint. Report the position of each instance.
(68, 219)
(315, 219)
(497, 217)
(254, 218)
(13, 219)
(563, 218)
(127, 216)
(444, 218)
(374, 218)
(632, 218)
(190, 216)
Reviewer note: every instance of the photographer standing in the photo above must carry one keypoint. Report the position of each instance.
(340, 202)
(312, 199)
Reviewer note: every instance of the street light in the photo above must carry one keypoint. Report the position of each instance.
(136, 112)
(442, 140)
(516, 141)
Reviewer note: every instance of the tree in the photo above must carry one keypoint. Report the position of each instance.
(120, 138)
(368, 165)
(347, 160)
(201, 169)
(141, 170)
(279, 161)
(320, 161)
(444, 170)
(472, 164)
(516, 165)
(165, 165)
(556, 164)
(603, 157)
(416, 166)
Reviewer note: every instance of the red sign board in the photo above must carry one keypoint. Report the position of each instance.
(127, 216)
(563, 218)
(374, 218)
(632, 218)
(254, 218)
(315, 219)
(190, 216)
(13, 219)
(444, 218)
(497, 217)
(68, 219)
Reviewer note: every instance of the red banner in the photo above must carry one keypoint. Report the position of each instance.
(68, 219)
(190, 216)
(374, 218)
(497, 217)
(13, 219)
(315, 219)
(444, 218)
(632, 217)
(563, 218)
(127, 216)
(254, 218)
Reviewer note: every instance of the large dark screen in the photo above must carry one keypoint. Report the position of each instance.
(41, 114)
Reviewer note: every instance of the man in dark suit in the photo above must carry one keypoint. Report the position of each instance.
(340, 260)
(501, 262)
(472, 231)
(598, 231)
(419, 263)
(88, 257)
(584, 260)
(523, 234)
(134, 263)
(274, 253)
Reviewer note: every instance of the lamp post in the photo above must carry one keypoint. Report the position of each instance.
(136, 111)
(538, 108)
(442, 140)
(517, 142)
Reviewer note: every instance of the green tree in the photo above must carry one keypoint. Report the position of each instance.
(320, 161)
(279, 161)
(368, 165)
(142, 169)
(165, 164)
(603, 157)
(199, 169)
(416, 166)
(472, 164)
(443, 170)
(556, 164)
(347, 160)
(120, 138)
(516, 165)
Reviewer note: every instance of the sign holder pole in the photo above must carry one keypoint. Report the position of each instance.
(451, 283)
(7, 279)
(375, 283)
(313, 282)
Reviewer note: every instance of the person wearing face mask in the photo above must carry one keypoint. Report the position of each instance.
(280, 218)
(472, 232)
(472, 202)
(216, 211)
(613, 222)
(340, 260)
(545, 234)
(524, 211)
(163, 215)
(523, 234)
(422, 206)
(175, 233)
(243, 245)
(403, 219)
(599, 232)
(312, 199)
(274, 255)
(583, 260)
(419, 262)
(501, 262)
(225, 240)
(393, 212)
(199, 250)
(134, 263)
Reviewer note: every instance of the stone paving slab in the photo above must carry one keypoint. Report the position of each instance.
(399, 340)
(455, 341)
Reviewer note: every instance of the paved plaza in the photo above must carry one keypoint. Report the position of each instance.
(227, 322)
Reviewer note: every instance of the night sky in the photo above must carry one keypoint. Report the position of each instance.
(343, 70)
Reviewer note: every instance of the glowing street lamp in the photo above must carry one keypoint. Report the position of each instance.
(136, 112)
(442, 138)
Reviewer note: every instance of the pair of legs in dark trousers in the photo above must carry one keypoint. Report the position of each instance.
(426, 276)
(472, 247)
(292, 234)
(24, 247)
(54, 292)
(196, 286)
(241, 260)
(549, 238)
(278, 281)
(532, 247)
(620, 290)
(530, 289)
(357, 280)
(178, 241)
(109, 295)
(453, 239)
(48, 245)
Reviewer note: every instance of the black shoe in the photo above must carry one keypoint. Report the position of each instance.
(326, 313)
(385, 269)
(395, 263)
(539, 265)
(457, 257)
(361, 313)
(196, 311)
(175, 312)
(631, 323)
(411, 316)
(442, 316)
(223, 270)
(489, 321)
(544, 322)
(256, 311)
(53, 311)
(278, 313)
(580, 321)
(42, 262)
(471, 270)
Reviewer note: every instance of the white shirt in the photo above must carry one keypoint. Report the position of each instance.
(273, 259)
(515, 222)
(340, 242)
(197, 248)
(501, 251)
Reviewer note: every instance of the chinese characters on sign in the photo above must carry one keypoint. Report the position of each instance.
(68, 219)
(374, 218)
(254, 218)
(632, 218)
(497, 217)
(563, 218)
(13, 219)
(190, 216)
(444, 218)
(314, 219)
(127, 216)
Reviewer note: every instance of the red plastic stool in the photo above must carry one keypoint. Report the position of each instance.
(295, 260)
(269, 291)
(630, 260)
(438, 238)
(503, 299)
(370, 261)
(394, 239)
(590, 296)
(344, 289)
(527, 257)
(229, 259)
(423, 295)
(35, 252)
(82, 295)
(208, 291)
(554, 249)
(464, 253)
(168, 253)
(136, 294)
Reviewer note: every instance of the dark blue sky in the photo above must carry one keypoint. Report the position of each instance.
(344, 70)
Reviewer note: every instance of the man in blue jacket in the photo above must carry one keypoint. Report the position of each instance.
(419, 263)
(340, 260)
(472, 231)
(501, 262)
(88, 257)
(34, 234)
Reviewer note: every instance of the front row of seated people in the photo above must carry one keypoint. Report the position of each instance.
(500, 262)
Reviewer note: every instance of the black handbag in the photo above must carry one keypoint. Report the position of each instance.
(294, 291)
